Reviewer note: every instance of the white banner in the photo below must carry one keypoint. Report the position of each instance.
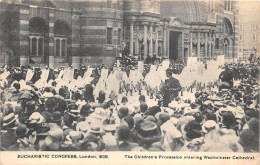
(29, 75)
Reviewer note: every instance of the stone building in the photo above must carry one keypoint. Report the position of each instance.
(59, 33)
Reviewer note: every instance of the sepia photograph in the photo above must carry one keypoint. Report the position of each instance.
(149, 80)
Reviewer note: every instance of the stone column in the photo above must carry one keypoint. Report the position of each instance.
(168, 43)
(213, 44)
(60, 47)
(30, 46)
(190, 50)
(206, 44)
(131, 38)
(156, 41)
(145, 40)
(198, 45)
(164, 42)
(137, 40)
(151, 40)
(182, 43)
(210, 41)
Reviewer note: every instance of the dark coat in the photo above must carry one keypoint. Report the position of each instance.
(170, 90)
(8, 139)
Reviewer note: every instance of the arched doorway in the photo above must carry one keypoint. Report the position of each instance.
(227, 34)
(38, 31)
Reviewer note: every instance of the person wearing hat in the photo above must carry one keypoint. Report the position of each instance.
(88, 93)
(96, 130)
(193, 130)
(22, 143)
(172, 139)
(153, 110)
(85, 111)
(170, 89)
(125, 103)
(123, 137)
(73, 140)
(193, 136)
(92, 143)
(162, 117)
(8, 138)
(47, 92)
(141, 113)
(229, 121)
(226, 76)
(57, 118)
(123, 112)
(147, 133)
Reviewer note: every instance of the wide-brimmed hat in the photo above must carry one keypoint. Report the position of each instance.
(96, 129)
(148, 132)
(94, 139)
(163, 116)
(21, 131)
(36, 118)
(83, 126)
(153, 110)
(98, 113)
(209, 125)
(110, 127)
(183, 121)
(9, 119)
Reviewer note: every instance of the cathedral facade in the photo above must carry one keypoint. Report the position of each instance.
(60, 33)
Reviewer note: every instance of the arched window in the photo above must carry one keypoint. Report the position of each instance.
(37, 30)
(227, 26)
(61, 35)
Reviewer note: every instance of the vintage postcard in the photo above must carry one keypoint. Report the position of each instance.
(129, 82)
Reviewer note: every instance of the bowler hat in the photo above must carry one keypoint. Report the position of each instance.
(56, 116)
(21, 131)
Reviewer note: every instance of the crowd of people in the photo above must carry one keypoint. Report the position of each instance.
(130, 108)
